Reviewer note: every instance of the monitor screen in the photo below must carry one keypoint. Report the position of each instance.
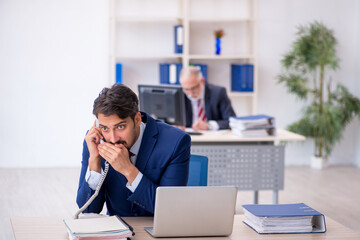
(164, 102)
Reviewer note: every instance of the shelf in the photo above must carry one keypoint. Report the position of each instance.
(148, 19)
(149, 57)
(221, 57)
(142, 36)
(220, 20)
(241, 94)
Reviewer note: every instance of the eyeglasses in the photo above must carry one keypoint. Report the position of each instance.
(192, 88)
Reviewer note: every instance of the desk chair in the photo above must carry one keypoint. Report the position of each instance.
(198, 171)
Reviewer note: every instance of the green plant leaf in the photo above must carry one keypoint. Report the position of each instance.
(311, 55)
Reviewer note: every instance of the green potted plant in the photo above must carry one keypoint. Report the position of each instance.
(306, 73)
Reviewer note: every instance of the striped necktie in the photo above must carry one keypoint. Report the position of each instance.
(201, 111)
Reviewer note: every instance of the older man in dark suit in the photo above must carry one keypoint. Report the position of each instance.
(207, 106)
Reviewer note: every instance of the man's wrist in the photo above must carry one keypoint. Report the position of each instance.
(131, 174)
(95, 164)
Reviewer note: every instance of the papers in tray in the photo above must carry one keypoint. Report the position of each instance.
(254, 132)
(284, 218)
(252, 121)
(253, 126)
(97, 228)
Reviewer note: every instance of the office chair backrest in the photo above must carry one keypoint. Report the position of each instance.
(198, 171)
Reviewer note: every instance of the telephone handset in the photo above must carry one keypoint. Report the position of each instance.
(103, 176)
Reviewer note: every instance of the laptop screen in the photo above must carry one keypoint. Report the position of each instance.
(194, 211)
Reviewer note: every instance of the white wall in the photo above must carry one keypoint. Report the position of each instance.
(278, 20)
(54, 61)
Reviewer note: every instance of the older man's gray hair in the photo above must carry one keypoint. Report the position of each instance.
(191, 71)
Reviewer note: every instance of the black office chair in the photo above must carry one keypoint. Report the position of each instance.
(198, 171)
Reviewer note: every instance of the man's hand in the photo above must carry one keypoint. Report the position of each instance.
(118, 157)
(92, 140)
(200, 125)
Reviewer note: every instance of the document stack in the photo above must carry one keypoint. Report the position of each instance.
(253, 126)
(284, 218)
(104, 227)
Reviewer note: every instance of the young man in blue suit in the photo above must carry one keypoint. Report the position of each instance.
(207, 106)
(143, 154)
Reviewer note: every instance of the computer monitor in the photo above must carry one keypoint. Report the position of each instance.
(164, 102)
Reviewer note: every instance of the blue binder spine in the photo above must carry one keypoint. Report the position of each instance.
(179, 38)
(178, 70)
(203, 69)
(242, 77)
(237, 78)
(169, 73)
(164, 73)
(118, 73)
(249, 77)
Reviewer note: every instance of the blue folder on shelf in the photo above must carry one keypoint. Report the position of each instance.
(284, 218)
(242, 77)
(170, 72)
(118, 73)
(179, 38)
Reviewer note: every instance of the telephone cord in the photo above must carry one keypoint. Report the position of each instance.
(76, 216)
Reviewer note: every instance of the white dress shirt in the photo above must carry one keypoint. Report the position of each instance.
(93, 177)
(213, 125)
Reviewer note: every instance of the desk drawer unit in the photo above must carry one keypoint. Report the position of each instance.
(249, 167)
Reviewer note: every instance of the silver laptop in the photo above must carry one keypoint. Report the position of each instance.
(193, 211)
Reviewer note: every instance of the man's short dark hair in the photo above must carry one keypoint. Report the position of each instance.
(119, 100)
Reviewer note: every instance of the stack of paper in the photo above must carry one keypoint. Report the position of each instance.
(254, 125)
(284, 218)
(98, 228)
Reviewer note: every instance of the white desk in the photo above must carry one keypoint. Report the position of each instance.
(30, 228)
(250, 163)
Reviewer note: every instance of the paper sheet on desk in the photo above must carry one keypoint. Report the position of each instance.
(190, 130)
(95, 225)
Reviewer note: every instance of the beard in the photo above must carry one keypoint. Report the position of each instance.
(198, 96)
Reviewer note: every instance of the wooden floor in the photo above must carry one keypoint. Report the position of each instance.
(334, 192)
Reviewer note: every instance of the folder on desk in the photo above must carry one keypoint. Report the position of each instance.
(284, 218)
(106, 227)
(253, 125)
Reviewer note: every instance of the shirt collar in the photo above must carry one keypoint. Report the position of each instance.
(135, 148)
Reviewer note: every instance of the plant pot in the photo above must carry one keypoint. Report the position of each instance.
(318, 162)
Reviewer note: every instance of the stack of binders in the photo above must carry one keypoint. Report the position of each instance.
(104, 227)
(253, 126)
(284, 218)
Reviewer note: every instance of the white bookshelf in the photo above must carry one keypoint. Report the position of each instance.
(141, 37)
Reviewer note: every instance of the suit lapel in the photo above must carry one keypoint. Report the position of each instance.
(207, 102)
(147, 143)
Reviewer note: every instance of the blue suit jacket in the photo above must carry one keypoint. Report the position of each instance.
(163, 159)
(217, 106)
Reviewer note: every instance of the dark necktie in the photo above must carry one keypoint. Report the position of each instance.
(131, 155)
